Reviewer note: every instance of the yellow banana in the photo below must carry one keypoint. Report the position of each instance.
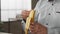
(30, 19)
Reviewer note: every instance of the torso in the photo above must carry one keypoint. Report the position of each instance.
(48, 15)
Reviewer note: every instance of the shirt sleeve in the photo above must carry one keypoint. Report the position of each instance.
(37, 5)
(37, 10)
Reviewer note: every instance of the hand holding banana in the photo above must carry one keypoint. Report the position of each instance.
(29, 20)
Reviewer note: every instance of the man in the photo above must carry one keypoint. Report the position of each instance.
(48, 14)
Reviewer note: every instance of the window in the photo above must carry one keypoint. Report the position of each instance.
(10, 8)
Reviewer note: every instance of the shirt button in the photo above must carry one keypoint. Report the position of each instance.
(49, 14)
(46, 23)
(52, 4)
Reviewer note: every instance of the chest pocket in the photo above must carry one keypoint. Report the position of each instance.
(57, 18)
(54, 20)
(54, 16)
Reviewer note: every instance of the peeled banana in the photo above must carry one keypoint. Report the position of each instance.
(30, 19)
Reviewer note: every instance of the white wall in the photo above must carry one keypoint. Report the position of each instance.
(9, 8)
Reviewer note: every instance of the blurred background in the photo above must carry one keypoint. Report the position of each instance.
(10, 8)
(11, 12)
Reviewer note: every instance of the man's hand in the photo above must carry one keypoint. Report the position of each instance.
(37, 28)
(25, 14)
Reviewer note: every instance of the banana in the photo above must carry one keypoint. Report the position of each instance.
(30, 19)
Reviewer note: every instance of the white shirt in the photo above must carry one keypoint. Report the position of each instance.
(48, 15)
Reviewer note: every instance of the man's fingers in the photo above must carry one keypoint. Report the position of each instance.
(32, 23)
(32, 26)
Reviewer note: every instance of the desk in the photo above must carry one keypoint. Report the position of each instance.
(13, 27)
